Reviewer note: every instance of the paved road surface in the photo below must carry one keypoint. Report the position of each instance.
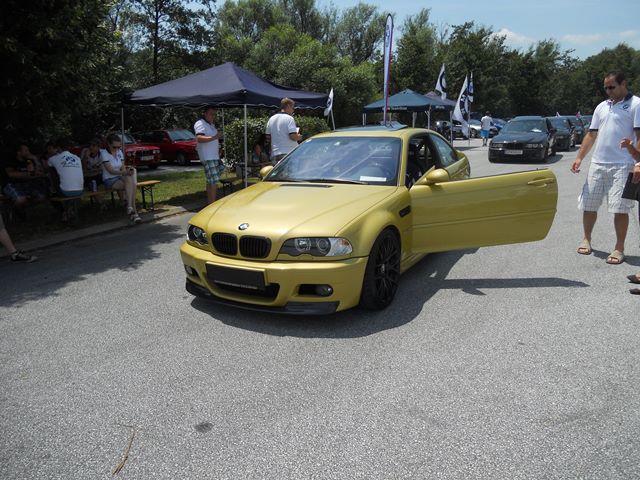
(516, 362)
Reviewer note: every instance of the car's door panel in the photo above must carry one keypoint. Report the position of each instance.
(495, 210)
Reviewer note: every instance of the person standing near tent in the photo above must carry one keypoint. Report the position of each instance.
(208, 146)
(283, 131)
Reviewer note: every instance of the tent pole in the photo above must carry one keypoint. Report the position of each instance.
(245, 146)
(451, 126)
(124, 145)
(413, 119)
(429, 118)
(364, 119)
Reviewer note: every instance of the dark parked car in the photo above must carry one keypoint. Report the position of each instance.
(577, 124)
(529, 138)
(565, 133)
(175, 145)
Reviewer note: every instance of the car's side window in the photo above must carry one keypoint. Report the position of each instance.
(418, 160)
(446, 155)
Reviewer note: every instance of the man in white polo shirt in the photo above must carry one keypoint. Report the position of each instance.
(283, 131)
(614, 119)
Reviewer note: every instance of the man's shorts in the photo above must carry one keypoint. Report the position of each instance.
(484, 133)
(24, 189)
(212, 170)
(609, 180)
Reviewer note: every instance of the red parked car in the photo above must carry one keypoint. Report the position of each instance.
(136, 154)
(175, 145)
(140, 155)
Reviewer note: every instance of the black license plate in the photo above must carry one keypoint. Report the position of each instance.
(236, 277)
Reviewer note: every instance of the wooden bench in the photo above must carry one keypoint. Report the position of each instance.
(145, 187)
(227, 181)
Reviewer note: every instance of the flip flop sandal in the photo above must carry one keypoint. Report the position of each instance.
(633, 279)
(615, 258)
(585, 248)
(635, 291)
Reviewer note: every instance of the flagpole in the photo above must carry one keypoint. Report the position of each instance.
(333, 120)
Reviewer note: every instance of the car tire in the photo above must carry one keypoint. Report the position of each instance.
(382, 273)
(474, 134)
(554, 150)
(181, 159)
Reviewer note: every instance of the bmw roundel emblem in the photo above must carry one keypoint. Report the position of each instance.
(243, 226)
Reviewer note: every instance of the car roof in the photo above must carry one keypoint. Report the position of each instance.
(404, 132)
(390, 127)
(527, 117)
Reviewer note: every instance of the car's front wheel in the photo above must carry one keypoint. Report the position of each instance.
(382, 273)
(181, 159)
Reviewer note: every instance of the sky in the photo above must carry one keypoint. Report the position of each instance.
(585, 26)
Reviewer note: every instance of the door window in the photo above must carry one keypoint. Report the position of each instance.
(446, 155)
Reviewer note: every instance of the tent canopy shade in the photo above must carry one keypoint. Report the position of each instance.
(409, 101)
(226, 85)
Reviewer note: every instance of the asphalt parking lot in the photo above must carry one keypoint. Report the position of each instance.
(518, 362)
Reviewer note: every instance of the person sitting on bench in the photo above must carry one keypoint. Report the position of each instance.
(70, 180)
(118, 176)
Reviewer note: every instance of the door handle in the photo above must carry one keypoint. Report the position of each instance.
(542, 182)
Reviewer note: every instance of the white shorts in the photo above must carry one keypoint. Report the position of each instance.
(609, 180)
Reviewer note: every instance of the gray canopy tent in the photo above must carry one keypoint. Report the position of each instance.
(223, 86)
(408, 101)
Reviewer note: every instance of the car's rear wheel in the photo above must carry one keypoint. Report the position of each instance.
(382, 273)
(181, 159)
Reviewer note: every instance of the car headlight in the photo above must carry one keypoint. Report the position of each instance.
(317, 246)
(534, 145)
(196, 234)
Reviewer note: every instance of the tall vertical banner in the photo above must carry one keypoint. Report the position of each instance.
(441, 84)
(388, 39)
(461, 111)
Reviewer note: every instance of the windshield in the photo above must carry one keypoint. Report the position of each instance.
(515, 126)
(559, 122)
(361, 160)
(574, 122)
(127, 138)
(176, 135)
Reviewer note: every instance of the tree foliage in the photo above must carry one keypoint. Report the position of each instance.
(68, 63)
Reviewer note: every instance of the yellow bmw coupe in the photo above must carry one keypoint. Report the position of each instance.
(335, 223)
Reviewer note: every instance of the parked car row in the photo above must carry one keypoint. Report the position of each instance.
(535, 138)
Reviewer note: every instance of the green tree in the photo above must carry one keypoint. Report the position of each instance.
(359, 32)
(54, 55)
(416, 66)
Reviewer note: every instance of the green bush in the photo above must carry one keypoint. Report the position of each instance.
(234, 134)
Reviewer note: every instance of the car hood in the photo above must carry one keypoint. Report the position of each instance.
(524, 137)
(284, 210)
(185, 143)
(139, 148)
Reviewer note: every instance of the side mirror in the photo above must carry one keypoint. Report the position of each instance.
(438, 175)
(264, 171)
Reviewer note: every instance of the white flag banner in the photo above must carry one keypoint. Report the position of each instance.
(470, 90)
(327, 110)
(441, 84)
(461, 110)
(388, 40)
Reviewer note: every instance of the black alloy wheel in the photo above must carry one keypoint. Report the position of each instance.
(382, 273)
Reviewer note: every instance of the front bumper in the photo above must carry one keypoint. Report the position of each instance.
(288, 285)
(507, 153)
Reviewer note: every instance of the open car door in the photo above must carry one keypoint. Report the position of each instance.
(477, 212)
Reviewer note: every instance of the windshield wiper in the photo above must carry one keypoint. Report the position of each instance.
(333, 180)
(282, 179)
